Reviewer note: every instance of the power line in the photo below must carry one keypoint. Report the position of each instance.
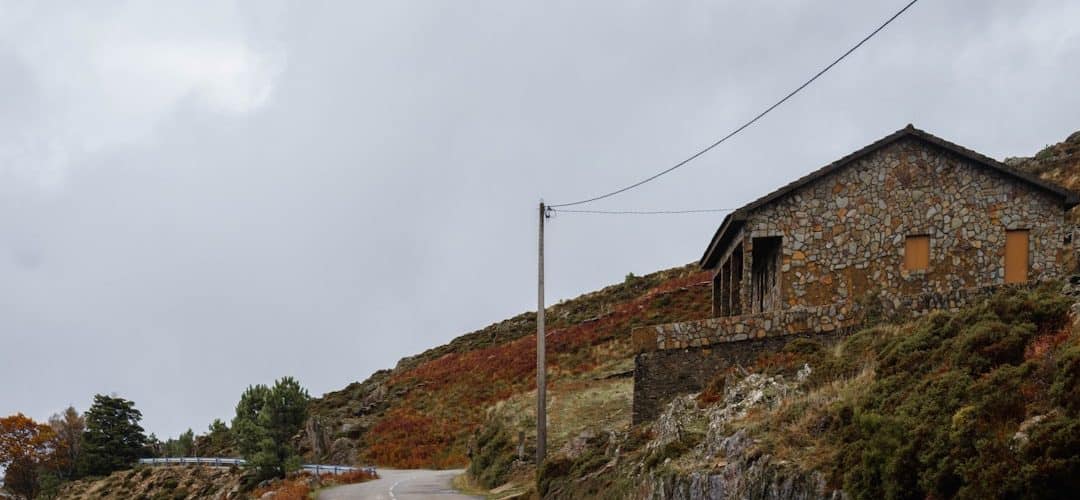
(643, 212)
(751, 122)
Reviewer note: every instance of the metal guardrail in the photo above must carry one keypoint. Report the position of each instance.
(316, 469)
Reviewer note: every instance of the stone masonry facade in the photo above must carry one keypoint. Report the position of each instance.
(843, 235)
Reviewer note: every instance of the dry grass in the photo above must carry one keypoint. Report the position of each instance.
(793, 430)
(574, 406)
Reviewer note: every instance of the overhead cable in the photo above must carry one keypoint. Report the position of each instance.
(747, 124)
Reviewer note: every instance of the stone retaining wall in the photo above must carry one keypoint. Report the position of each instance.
(682, 358)
(659, 376)
(795, 320)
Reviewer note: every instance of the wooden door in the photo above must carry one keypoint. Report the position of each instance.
(1016, 256)
(917, 252)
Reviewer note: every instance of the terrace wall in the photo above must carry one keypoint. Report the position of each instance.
(681, 358)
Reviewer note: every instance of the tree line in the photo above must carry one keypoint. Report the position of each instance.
(38, 457)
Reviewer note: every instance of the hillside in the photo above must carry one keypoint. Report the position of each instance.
(1058, 163)
(424, 412)
(981, 403)
(173, 483)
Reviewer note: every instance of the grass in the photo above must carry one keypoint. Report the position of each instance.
(575, 406)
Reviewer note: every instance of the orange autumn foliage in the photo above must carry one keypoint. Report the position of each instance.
(25, 446)
(289, 489)
(23, 440)
(298, 487)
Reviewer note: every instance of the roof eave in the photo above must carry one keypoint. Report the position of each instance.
(716, 244)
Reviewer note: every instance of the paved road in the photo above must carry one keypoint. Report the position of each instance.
(400, 485)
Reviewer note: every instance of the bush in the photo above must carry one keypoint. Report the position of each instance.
(673, 450)
(494, 454)
(552, 471)
(555, 474)
(714, 390)
(1065, 391)
(951, 391)
(170, 484)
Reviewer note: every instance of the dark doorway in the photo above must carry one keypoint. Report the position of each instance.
(727, 285)
(736, 280)
(765, 274)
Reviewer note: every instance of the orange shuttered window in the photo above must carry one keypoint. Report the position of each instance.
(917, 252)
(1016, 256)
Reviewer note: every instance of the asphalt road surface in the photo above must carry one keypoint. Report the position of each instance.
(400, 485)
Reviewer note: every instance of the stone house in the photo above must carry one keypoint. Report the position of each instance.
(911, 222)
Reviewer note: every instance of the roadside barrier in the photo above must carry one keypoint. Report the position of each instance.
(316, 469)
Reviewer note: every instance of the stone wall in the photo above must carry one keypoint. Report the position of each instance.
(659, 376)
(843, 235)
(681, 358)
(795, 320)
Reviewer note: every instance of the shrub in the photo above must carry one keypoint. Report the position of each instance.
(673, 450)
(493, 455)
(951, 390)
(552, 471)
(1065, 391)
(714, 390)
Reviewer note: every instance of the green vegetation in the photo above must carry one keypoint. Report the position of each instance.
(950, 393)
(494, 453)
(113, 439)
(583, 475)
(974, 404)
(218, 441)
(266, 420)
(980, 403)
(673, 450)
(182, 446)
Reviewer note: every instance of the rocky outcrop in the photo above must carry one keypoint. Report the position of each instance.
(737, 468)
(759, 479)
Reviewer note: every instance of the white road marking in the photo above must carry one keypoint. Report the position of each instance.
(392, 497)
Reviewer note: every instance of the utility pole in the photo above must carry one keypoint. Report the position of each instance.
(541, 363)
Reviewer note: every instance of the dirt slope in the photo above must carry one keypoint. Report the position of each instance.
(154, 483)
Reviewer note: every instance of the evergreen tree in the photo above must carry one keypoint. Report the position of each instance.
(113, 439)
(182, 446)
(266, 420)
(218, 439)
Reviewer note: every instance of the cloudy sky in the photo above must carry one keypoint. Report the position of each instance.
(200, 197)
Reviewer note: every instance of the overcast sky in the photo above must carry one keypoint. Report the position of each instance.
(198, 198)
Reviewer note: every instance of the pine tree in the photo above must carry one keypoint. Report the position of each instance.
(113, 439)
(266, 420)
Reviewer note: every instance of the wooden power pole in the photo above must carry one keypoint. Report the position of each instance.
(541, 363)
